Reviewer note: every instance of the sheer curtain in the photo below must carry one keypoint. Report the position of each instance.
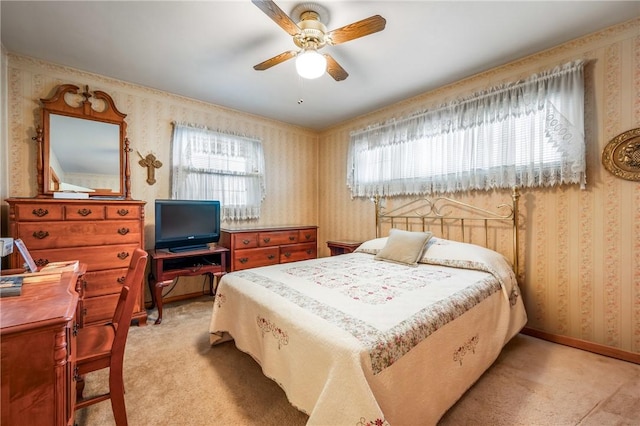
(211, 165)
(526, 134)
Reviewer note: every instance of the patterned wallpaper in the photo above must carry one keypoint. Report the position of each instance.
(290, 151)
(580, 249)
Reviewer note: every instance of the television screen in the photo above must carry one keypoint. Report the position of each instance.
(183, 225)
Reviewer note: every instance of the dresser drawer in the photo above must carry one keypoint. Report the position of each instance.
(97, 310)
(295, 252)
(100, 283)
(42, 235)
(246, 240)
(38, 212)
(97, 258)
(84, 212)
(277, 238)
(123, 212)
(252, 258)
(308, 235)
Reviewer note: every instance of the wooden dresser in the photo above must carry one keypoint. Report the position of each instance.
(38, 352)
(250, 248)
(99, 233)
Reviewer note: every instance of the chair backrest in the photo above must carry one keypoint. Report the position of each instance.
(128, 296)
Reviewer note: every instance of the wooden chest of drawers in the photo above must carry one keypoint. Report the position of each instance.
(250, 248)
(99, 233)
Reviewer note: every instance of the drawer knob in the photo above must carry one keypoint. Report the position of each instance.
(266, 240)
(287, 254)
(291, 238)
(243, 259)
(40, 234)
(271, 257)
(84, 212)
(121, 280)
(309, 251)
(123, 255)
(123, 212)
(307, 236)
(245, 242)
(40, 212)
(123, 231)
(75, 328)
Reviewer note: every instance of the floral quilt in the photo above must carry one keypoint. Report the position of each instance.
(331, 331)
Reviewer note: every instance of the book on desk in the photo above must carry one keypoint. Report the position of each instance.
(10, 286)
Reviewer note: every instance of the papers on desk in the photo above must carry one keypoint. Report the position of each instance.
(55, 267)
(11, 285)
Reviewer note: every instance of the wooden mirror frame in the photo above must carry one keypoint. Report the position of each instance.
(57, 104)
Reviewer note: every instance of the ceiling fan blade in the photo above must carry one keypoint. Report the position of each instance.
(355, 30)
(275, 60)
(279, 17)
(334, 69)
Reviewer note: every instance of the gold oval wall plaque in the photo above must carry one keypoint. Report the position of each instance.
(621, 156)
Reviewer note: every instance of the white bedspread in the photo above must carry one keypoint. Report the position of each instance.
(353, 340)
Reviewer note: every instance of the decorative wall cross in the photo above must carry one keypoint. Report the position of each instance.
(151, 163)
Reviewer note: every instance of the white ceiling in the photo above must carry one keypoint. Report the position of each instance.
(206, 49)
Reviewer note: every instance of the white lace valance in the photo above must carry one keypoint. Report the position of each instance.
(529, 133)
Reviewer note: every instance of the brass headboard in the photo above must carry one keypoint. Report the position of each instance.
(429, 214)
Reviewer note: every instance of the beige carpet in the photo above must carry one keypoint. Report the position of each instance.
(173, 377)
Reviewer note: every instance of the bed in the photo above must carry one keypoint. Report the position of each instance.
(392, 334)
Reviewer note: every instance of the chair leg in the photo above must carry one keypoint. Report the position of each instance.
(116, 389)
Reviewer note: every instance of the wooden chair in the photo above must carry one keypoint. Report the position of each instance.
(102, 346)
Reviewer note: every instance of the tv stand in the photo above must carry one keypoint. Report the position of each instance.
(166, 266)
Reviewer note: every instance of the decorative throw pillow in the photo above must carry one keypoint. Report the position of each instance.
(372, 246)
(406, 247)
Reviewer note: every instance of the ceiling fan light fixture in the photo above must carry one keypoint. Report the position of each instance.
(310, 64)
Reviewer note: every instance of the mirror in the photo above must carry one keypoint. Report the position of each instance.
(82, 145)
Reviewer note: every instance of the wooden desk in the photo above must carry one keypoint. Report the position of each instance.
(37, 333)
(167, 266)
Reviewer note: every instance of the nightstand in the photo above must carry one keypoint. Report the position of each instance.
(342, 247)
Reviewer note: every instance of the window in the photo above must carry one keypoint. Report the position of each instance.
(526, 134)
(211, 165)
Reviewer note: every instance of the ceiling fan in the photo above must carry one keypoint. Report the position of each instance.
(310, 34)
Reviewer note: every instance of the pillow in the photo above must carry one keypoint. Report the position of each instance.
(372, 246)
(406, 247)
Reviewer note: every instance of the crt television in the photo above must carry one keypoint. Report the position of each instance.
(183, 225)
